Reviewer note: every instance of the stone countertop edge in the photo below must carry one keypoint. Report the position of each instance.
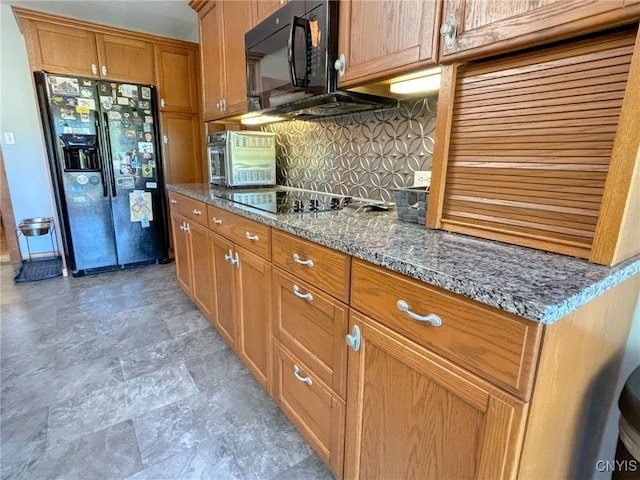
(534, 284)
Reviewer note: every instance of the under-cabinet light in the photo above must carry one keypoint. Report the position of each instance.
(259, 119)
(429, 82)
(417, 85)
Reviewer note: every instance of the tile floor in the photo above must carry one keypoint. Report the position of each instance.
(119, 376)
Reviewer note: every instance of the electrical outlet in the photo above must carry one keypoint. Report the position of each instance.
(422, 178)
(9, 139)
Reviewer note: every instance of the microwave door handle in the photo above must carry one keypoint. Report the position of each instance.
(295, 24)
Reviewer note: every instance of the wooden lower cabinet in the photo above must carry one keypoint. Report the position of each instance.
(315, 409)
(193, 261)
(181, 251)
(413, 414)
(242, 299)
(253, 301)
(223, 287)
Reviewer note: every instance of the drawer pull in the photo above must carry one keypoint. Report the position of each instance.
(296, 372)
(196, 211)
(353, 339)
(305, 296)
(248, 236)
(216, 220)
(432, 318)
(173, 201)
(229, 257)
(297, 259)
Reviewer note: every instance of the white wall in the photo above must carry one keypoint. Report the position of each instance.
(26, 161)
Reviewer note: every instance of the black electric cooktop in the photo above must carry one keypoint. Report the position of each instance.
(287, 200)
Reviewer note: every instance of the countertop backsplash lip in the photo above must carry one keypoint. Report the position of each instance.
(534, 284)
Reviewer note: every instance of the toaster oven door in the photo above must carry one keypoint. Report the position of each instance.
(217, 164)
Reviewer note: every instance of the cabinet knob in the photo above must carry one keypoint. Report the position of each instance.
(229, 257)
(296, 372)
(448, 31)
(104, 70)
(340, 64)
(432, 318)
(173, 201)
(353, 339)
(162, 102)
(94, 69)
(305, 296)
(298, 260)
(165, 139)
(223, 104)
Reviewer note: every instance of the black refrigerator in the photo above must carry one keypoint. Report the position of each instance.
(106, 166)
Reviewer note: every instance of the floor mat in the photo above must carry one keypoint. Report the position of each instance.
(40, 269)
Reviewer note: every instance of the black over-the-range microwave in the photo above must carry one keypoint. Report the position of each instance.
(290, 64)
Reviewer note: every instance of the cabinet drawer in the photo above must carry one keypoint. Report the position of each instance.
(322, 267)
(316, 411)
(496, 345)
(192, 209)
(251, 235)
(312, 325)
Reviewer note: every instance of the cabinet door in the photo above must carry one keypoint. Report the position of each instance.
(125, 59)
(224, 274)
(181, 148)
(181, 251)
(487, 27)
(201, 266)
(176, 75)
(253, 292)
(412, 414)
(263, 8)
(237, 21)
(381, 39)
(61, 49)
(211, 58)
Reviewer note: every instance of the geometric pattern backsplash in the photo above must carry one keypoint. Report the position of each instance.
(362, 155)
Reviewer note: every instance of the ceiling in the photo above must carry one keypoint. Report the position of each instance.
(168, 18)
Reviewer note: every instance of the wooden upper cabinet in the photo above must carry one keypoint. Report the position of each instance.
(224, 77)
(237, 22)
(125, 59)
(487, 27)
(60, 48)
(263, 8)
(176, 73)
(382, 39)
(181, 150)
(211, 58)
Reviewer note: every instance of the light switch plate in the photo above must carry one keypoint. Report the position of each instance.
(9, 139)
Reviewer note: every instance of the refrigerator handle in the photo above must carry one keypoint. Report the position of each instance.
(109, 160)
(105, 192)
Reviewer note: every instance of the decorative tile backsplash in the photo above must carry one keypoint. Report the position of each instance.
(362, 155)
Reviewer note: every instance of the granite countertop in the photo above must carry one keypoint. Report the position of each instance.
(533, 284)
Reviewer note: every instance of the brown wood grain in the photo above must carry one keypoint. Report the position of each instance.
(315, 409)
(577, 374)
(388, 433)
(314, 330)
(211, 59)
(508, 141)
(200, 257)
(253, 307)
(385, 39)
(617, 235)
(237, 228)
(224, 288)
(331, 269)
(176, 71)
(492, 344)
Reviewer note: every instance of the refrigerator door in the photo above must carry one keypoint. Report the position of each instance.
(137, 198)
(85, 200)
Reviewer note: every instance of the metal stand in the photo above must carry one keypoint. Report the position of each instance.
(40, 268)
